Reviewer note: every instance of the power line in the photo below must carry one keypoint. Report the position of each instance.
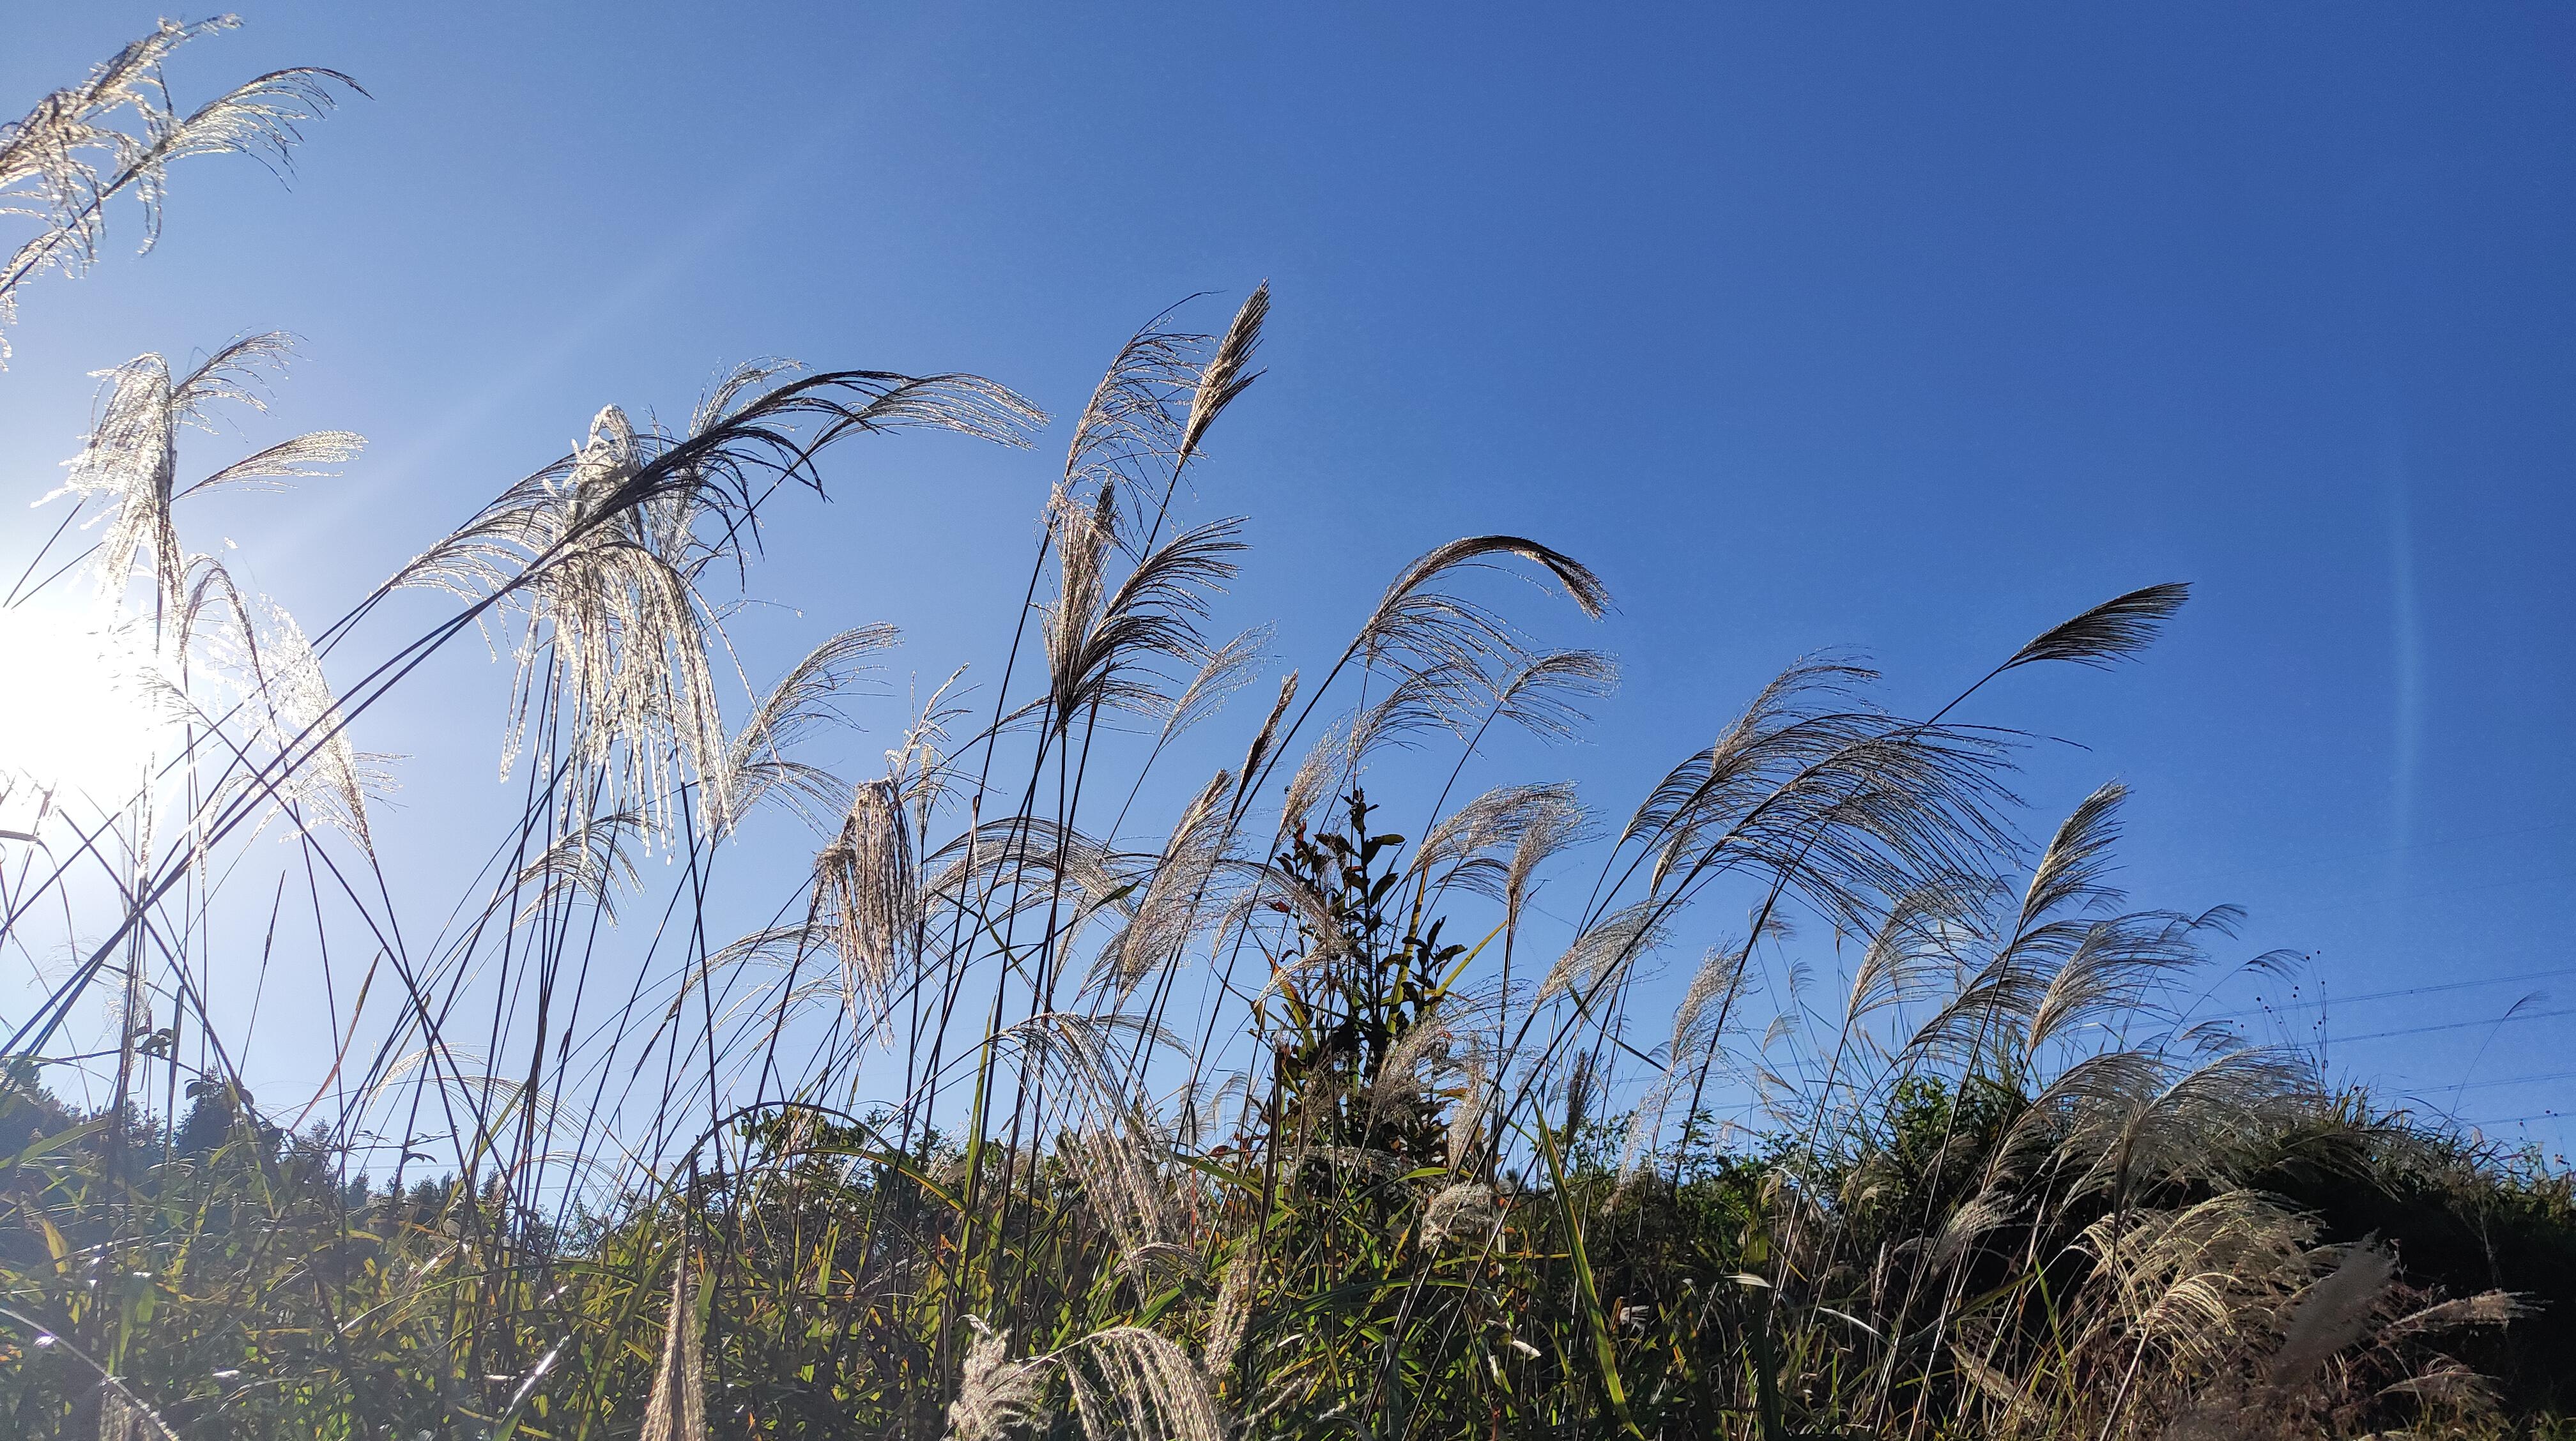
(2456, 1025)
(2547, 975)
(2505, 1081)
(2517, 1120)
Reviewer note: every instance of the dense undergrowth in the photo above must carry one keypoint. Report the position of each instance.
(1017, 1118)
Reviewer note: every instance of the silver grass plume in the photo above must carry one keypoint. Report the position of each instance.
(1963, 1228)
(1132, 1384)
(1694, 1051)
(2111, 973)
(1130, 430)
(490, 1100)
(67, 157)
(1457, 1212)
(1719, 979)
(1440, 629)
(2487, 1308)
(757, 764)
(1089, 1054)
(615, 636)
(1415, 1061)
(1226, 670)
(130, 458)
(1180, 898)
(1117, 1161)
(1419, 701)
(1549, 828)
(1476, 1097)
(600, 555)
(2197, 1282)
(1830, 800)
(2006, 995)
(586, 862)
(1007, 865)
(122, 1416)
(1546, 695)
(1902, 956)
(1224, 376)
(866, 902)
(1230, 1315)
(1581, 1090)
(2115, 630)
(1756, 751)
(1454, 644)
(677, 1409)
(2334, 1312)
(994, 1393)
(116, 1416)
(1609, 947)
(1104, 644)
(1263, 739)
(1232, 1311)
(1085, 535)
(1523, 823)
(2164, 1133)
(1324, 764)
(298, 715)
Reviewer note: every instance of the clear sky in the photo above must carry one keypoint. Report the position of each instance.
(1901, 327)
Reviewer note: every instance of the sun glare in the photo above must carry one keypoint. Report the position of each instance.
(76, 722)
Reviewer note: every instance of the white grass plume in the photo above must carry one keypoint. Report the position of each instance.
(866, 899)
(1181, 897)
(1132, 1384)
(2334, 1312)
(677, 1409)
(995, 1393)
(118, 133)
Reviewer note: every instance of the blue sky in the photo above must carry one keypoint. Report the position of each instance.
(1904, 328)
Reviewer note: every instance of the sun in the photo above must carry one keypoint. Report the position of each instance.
(77, 723)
